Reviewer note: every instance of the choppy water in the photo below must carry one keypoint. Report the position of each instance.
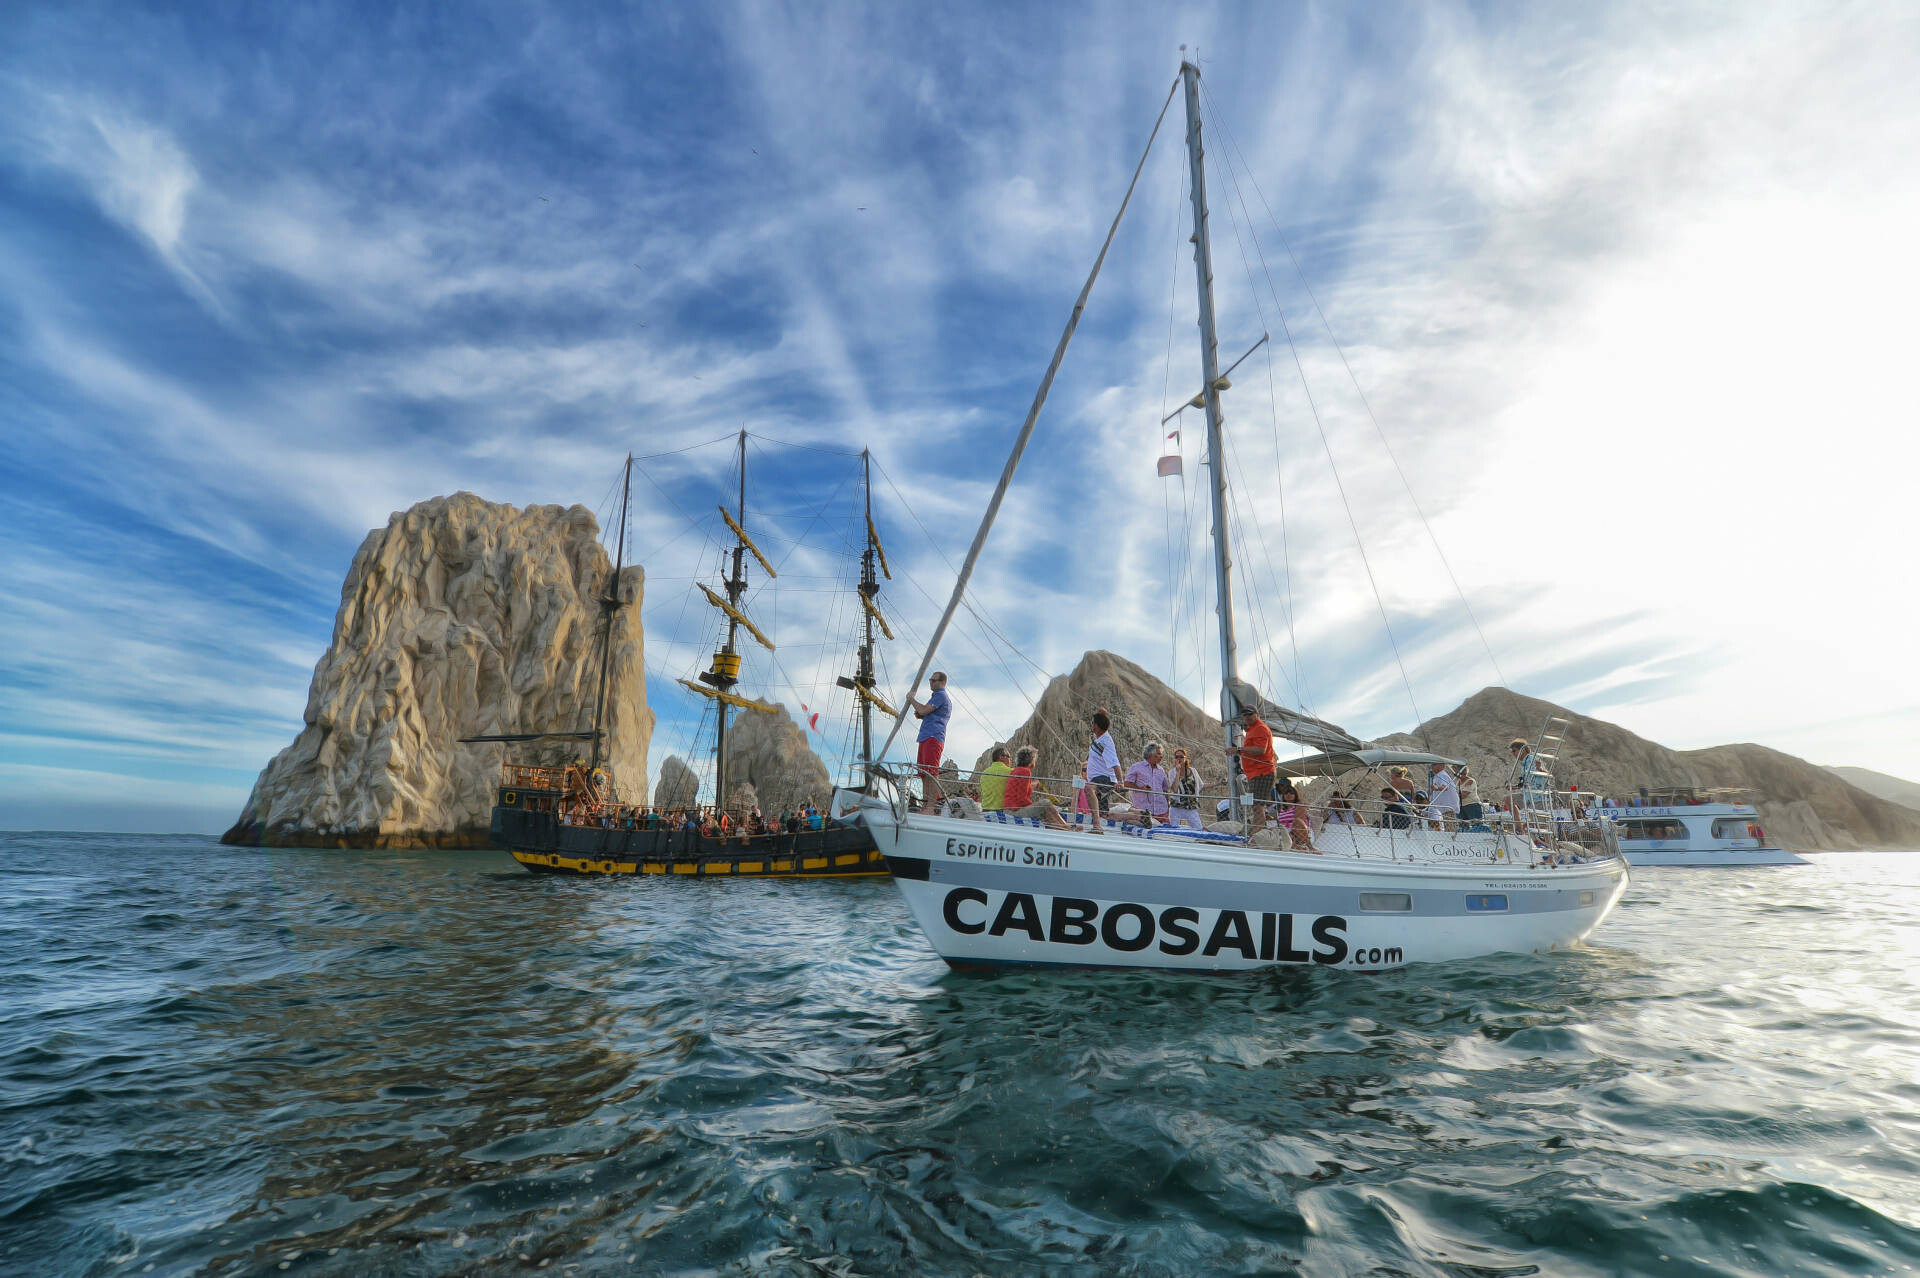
(232, 1062)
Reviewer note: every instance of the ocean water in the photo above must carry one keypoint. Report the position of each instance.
(259, 1062)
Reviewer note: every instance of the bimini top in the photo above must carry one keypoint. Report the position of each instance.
(1335, 761)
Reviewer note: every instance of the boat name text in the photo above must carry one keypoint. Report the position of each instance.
(1025, 854)
(1129, 928)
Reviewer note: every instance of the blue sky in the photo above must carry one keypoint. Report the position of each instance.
(1627, 291)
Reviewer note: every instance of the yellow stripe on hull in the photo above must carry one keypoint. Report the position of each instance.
(870, 865)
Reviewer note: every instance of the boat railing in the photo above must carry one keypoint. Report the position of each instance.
(1524, 830)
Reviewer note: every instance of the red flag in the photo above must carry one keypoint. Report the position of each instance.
(1170, 465)
(813, 717)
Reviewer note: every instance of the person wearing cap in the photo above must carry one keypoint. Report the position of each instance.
(1147, 788)
(1257, 761)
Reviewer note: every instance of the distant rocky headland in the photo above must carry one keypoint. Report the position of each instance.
(464, 617)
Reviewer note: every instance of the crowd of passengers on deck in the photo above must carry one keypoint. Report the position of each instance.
(1165, 790)
(705, 822)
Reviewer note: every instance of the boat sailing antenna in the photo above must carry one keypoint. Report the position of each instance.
(609, 604)
(1216, 449)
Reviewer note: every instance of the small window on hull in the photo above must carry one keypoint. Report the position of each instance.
(1478, 903)
(1586, 898)
(1387, 902)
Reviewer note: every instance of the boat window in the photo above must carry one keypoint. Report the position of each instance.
(1655, 829)
(1395, 902)
(1586, 898)
(1733, 828)
(1498, 902)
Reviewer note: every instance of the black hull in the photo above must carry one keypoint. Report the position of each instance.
(541, 844)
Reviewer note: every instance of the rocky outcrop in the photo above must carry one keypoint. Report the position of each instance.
(461, 617)
(1142, 709)
(768, 751)
(1881, 786)
(678, 786)
(1801, 805)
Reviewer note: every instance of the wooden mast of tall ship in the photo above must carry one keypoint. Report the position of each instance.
(721, 678)
(861, 683)
(608, 603)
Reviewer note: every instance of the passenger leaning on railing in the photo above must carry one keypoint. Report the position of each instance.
(1257, 761)
(1393, 813)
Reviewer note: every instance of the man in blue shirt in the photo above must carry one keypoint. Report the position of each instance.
(933, 714)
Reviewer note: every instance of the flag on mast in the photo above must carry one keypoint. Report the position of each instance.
(1170, 465)
(813, 717)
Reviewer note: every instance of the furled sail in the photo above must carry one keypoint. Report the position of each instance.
(737, 615)
(1293, 725)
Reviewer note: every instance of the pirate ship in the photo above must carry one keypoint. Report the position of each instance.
(569, 819)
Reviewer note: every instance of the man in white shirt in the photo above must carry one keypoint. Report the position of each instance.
(1446, 795)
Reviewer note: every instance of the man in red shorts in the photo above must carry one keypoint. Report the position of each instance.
(933, 714)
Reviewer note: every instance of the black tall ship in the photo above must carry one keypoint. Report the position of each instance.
(568, 819)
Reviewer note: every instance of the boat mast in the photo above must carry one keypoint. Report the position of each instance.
(608, 605)
(1216, 450)
(736, 587)
(869, 586)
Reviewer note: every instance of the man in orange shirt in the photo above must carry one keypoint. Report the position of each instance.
(1257, 761)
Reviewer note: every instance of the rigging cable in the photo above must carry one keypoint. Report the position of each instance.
(1338, 483)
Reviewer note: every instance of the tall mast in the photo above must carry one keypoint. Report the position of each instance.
(1216, 450)
(608, 605)
(736, 586)
(869, 586)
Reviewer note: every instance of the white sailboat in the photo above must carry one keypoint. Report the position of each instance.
(1000, 890)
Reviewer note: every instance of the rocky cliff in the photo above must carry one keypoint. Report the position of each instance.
(1801, 805)
(768, 751)
(1142, 708)
(461, 617)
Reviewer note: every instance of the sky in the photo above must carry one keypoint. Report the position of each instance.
(1589, 367)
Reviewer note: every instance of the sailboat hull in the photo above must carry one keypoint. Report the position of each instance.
(990, 896)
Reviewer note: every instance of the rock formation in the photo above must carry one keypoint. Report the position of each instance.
(1801, 806)
(461, 617)
(1881, 786)
(768, 751)
(1142, 709)
(678, 786)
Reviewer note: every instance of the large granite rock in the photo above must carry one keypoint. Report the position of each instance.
(1801, 805)
(678, 786)
(1142, 709)
(461, 617)
(768, 751)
